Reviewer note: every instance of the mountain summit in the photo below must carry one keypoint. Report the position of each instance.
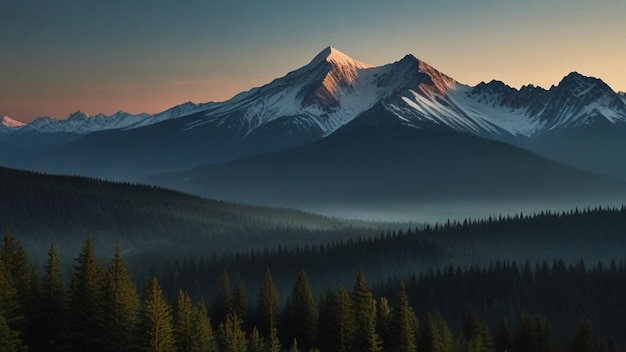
(9, 122)
(336, 57)
(330, 93)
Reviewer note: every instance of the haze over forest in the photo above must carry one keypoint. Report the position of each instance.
(285, 176)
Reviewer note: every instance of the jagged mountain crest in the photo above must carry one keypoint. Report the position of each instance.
(10, 123)
(333, 89)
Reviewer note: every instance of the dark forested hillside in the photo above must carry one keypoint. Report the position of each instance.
(592, 235)
(504, 307)
(377, 165)
(42, 208)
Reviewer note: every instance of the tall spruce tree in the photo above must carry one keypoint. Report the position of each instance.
(294, 346)
(447, 339)
(365, 338)
(383, 320)
(301, 315)
(156, 331)
(256, 342)
(336, 322)
(231, 337)
(17, 273)
(32, 334)
(273, 342)
(203, 337)
(431, 339)
(121, 306)
(184, 322)
(222, 304)
(402, 331)
(53, 305)
(239, 301)
(9, 338)
(477, 335)
(86, 302)
(582, 339)
(504, 337)
(268, 305)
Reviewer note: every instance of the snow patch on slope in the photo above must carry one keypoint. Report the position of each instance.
(11, 123)
(331, 90)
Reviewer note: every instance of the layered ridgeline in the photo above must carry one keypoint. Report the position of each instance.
(565, 122)
(144, 219)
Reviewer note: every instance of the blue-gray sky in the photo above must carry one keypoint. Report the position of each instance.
(147, 55)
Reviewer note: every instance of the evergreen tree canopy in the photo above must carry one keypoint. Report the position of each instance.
(268, 304)
(121, 305)
(364, 312)
(156, 328)
(53, 304)
(402, 332)
(222, 303)
(203, 337)
(86, 302)
(231, 337)
(184, 322)
(301, 314)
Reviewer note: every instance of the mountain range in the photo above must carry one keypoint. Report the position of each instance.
(336, 115)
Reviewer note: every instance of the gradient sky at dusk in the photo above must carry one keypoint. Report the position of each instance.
(148, 55)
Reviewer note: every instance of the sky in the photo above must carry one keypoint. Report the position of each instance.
(60, 56)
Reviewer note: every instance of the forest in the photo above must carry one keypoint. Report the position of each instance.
(503, 307)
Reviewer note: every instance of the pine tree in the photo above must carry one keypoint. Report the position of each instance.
(8, 294)
(402, 333)
(504, 339)
(267, 305)
(9, 339)
(184, 322)
(16, 266)
(156, 333)
(256, 342)
(383, 320)
(527, 334)
(294, 346)
(477, 334)
(364, 312)
(53, 304)
(32, 333)
(239, 300)
(431, 339)
(447, 339)
(301, 314)
(273, 343)
(86, 302)
(222, 303)
(582, 340)
(17, 275)
(203, 337)
(231, 337)
(121, 306)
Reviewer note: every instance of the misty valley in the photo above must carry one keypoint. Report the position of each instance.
(341, 207)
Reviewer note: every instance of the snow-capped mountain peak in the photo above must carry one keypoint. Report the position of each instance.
(78, 115)
(11, 123)
(333, 89)
(336, 57)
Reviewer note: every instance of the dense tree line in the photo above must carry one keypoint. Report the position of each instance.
(45, 207)
(101, 309)
(589, 234)
(329, 263)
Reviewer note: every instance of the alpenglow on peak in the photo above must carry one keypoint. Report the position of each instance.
(332, 55)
